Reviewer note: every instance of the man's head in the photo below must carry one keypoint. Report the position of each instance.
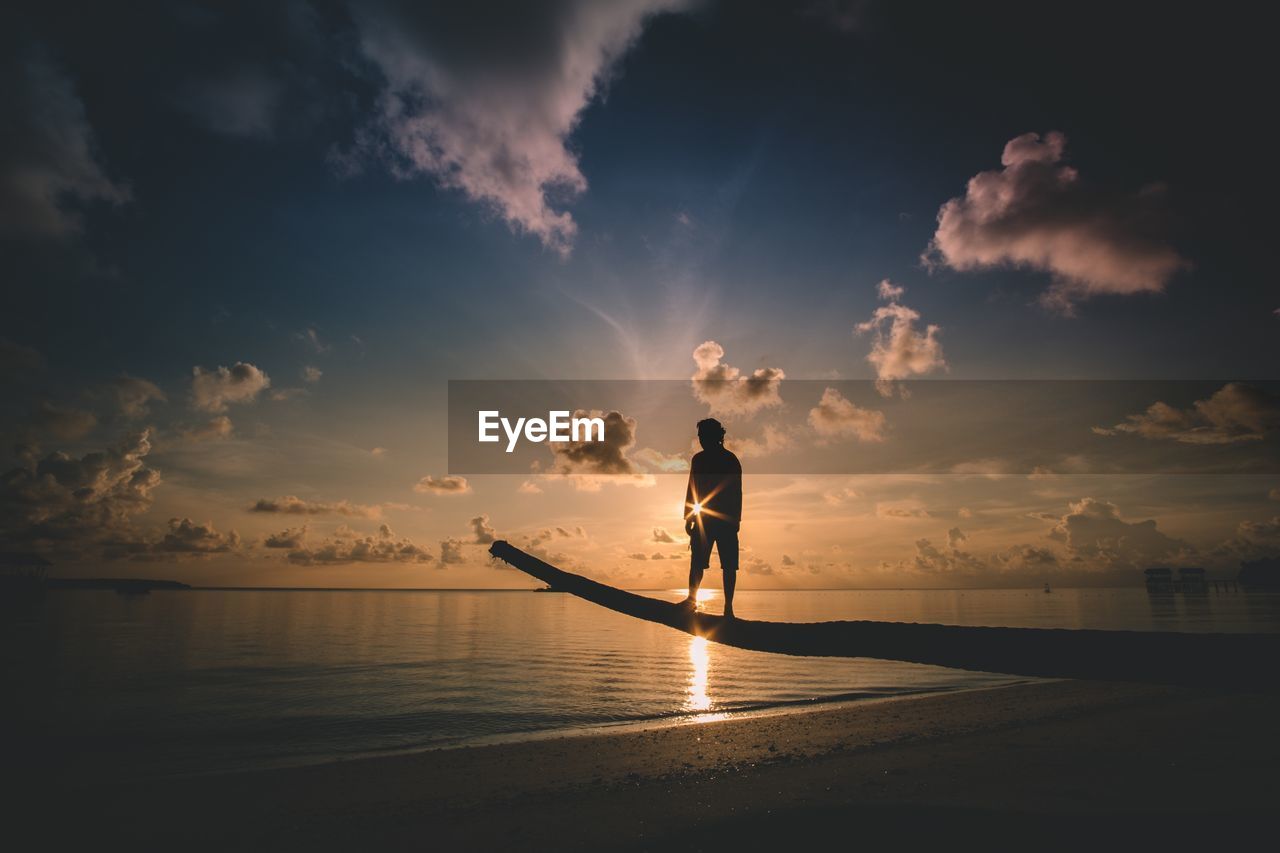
(710, 433)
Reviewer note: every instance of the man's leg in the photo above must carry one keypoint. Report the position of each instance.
(727, 546)
(699, 559)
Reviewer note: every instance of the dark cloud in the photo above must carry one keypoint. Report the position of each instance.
(660, 534)
(346, 546)
(49, 163)
(1093, 532)
(726, 390)
(1253, 540)
(481, 530)
(451, 551)
(186, 537)
(1036, 213)
(442, 485)
(77, 503)
(294, 538)
(1234, 413)
(294, 505)
(608, 457)
(948, 559)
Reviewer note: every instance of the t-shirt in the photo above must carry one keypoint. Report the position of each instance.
(715, 480)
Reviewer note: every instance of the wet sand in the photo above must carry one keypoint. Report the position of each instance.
(1041, 765)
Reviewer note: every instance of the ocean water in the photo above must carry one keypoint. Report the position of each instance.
(102, 686)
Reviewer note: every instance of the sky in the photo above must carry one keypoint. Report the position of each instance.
(246, 247)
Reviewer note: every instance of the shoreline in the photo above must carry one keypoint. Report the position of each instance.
(1044, 751)
(816, 705)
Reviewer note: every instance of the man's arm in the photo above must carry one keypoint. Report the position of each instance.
(735, 485)
(689, 521)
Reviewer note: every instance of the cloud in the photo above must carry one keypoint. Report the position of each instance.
(1093, 531)
(598, 458)
(451, 551)
(294, 538)
(482, 532)
(384, 547)
(293, 505)
(186, 537)
(835, 418)
(901, 509)
(243, 103)
(181, 539)
(312, 339)
(660, 534)
(215, 429)
(952, 559)
(1036, 213)
(214, 390)
(949, 560)
(448, 485)
(991, 469)
(1252, 540)
(19, 361)
(1026, 559)
(773, 439)
(537, 544)
(726, 390)
(62, 424)
(899, 350)
(528, 487)
(661, 462)
(49, 163)
(787, 561)
(132, 394)
(311, 374)
(77, 503)
(1232, 414)
(888, 291)
(836, 497)
(483, 100)
(1274, 494)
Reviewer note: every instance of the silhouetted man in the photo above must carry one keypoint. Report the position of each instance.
(713, 511)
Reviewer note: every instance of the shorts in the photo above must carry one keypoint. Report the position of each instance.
(723, 536)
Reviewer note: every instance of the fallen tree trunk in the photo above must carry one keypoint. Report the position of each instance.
(1222, 660)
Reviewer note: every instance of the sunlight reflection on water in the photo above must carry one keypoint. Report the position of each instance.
(203, 681)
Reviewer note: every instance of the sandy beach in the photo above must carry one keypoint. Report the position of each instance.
(1065, 759)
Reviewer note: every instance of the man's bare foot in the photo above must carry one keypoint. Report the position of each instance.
(688, 604)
